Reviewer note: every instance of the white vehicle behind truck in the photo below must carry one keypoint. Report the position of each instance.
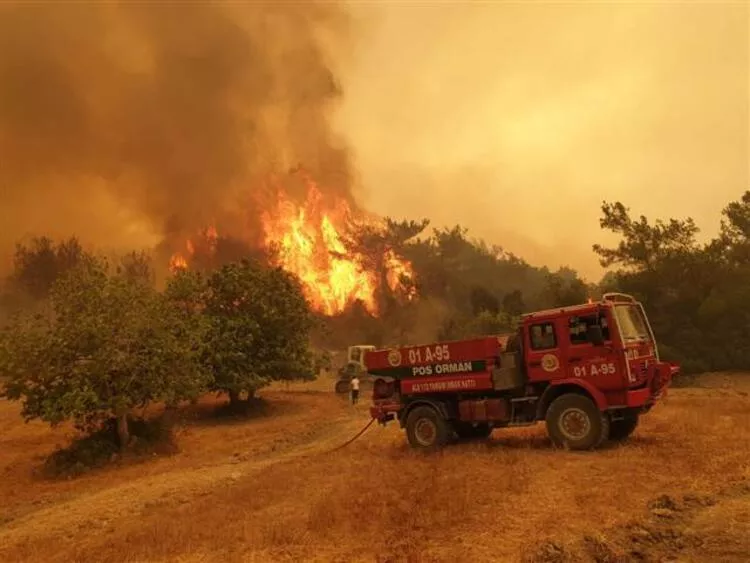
(354, 365)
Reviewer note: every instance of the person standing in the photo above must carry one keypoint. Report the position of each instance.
(355, 389)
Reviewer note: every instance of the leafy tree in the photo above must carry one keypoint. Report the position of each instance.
(564, 289)
(482, 300)
(643, 244)
(736, 223)
(513, 303)
(733, 243)
(609, 283)
(104, 346)
(38, 264)
(187, 290)
(137, 267)
(489, 323)
(697, 296)
(260, 325)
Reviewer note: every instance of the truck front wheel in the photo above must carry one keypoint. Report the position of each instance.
(575, 422)
(620, 430)
(426, 429)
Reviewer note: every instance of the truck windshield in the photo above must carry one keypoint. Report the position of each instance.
(631, 322)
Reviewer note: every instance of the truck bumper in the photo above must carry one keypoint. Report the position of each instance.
(639, 398)
(656, 388)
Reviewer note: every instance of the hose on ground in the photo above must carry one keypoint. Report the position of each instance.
(357, 435)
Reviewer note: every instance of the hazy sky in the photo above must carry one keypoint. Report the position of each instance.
(518, 119)
(127, 125)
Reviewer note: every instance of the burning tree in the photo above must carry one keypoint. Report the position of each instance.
(341, 254)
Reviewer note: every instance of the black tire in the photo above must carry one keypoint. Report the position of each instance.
(342, 387)
(426, 429)
(620, 430)
(571, 411)
(467, 431)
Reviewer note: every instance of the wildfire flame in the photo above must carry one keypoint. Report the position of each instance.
(179, 261)
(308, 240)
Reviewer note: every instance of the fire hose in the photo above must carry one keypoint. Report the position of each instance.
(357, 435)
(341, 446)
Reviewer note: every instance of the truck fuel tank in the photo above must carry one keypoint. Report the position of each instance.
(484, 410)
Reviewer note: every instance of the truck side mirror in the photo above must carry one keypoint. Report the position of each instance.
(595, 335)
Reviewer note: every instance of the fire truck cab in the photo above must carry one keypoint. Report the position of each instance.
(589, 371)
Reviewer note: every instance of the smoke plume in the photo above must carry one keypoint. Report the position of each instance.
(133, 124)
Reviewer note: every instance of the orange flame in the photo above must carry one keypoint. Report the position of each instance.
(308, 238)
(177, 262)
(398, 270)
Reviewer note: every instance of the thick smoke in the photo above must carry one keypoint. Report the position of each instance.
(137, 123)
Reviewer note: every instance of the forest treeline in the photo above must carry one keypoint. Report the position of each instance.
(87, 339)
(697, 294)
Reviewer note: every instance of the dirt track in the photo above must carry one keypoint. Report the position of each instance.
(125, 500)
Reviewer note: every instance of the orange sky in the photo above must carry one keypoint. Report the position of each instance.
(517, 119)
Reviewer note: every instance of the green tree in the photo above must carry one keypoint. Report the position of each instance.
(733, 242)
(696, 296)
(260, 327)
(137, 267)
(483, 300)
(104, 346)
(41, 262)
(735, 225)
(187, 290)
(513, 303)
(563, 289)
(487, 323)
(642, 244)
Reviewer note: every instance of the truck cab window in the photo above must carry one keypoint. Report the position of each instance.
(542, 336)
(578, 328)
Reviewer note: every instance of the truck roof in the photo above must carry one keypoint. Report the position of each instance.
(586, 307)
(608, 300)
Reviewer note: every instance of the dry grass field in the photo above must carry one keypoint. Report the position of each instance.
(268, 489)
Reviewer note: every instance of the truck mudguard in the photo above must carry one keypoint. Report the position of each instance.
(555, 388)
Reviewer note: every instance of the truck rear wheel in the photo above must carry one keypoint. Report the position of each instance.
(467, 431)
(575, 422)
(426, 429)
(620, 430)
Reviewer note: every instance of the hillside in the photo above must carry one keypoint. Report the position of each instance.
(267, 489)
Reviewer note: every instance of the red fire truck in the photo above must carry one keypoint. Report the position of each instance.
(589, 371)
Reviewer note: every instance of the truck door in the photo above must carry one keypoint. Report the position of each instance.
(543, 360)
(597, 363)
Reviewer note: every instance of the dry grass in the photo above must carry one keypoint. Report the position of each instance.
(267, 490)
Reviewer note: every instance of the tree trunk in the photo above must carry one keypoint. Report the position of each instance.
(251, 394)
(234, 398)
(123, 432)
